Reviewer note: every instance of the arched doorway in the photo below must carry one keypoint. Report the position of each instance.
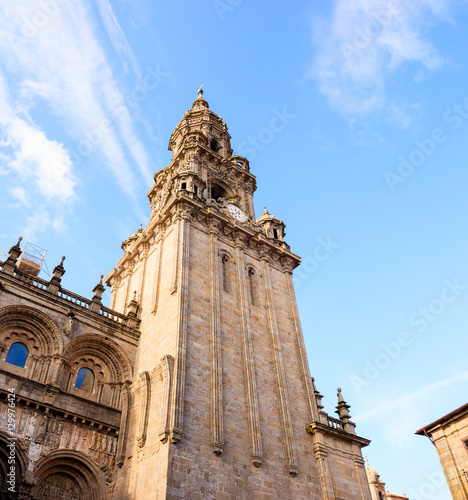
(59, 486)
(68, 474)
(6, 456)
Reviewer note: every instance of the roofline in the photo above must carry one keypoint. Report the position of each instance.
(423, 430)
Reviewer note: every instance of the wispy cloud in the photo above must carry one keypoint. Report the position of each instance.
(365, 42)
(116, 35)
(402, 416)
(403, 401)
(41, 164)
(54, 58)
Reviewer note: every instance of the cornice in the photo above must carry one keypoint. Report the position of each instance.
(63, 306)
(337, 433)
(200, 210)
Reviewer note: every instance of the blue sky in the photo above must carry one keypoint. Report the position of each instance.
(368, 172)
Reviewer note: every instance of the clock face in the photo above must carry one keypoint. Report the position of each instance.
(236, 213)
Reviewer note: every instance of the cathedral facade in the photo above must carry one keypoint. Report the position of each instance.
(195, 382)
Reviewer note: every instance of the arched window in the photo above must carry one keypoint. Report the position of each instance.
(17, 354)
(218, 192)
(214, 146)
(380, 496)
(85, 380)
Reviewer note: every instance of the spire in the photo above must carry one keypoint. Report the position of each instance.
(343, 413)
(200, 102)
(98, 290)
(58, 272)
(9, 265)
(132, 310)
(318, 396)
(342, 408)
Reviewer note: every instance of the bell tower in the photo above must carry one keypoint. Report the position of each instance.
(222, 404)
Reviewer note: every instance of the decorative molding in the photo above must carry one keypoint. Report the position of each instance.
(321, 456)
(46, 331)
(103, 348)
(181, 332)
(217, 424)
(126, 403)
(279, 372)
(157, 275)
(145, 397)
(362, 477)
(167, 372)
(177, 258)
(249, 366)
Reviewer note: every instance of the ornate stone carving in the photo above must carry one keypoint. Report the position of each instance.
(36, 322)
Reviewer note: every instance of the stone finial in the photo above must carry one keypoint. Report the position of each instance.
(318, 396)
(343, 412)
(98, 290)
(200, 102)
(340, 396)
(58, 272)
(342, 408)
(10, 264)
(132, 310)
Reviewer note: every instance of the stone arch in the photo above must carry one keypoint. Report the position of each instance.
(35, 328)
(220, 188)
(99, 347)
(224, 252)
(71, 472)
(20, 462)
(227, 270)
(252, 282)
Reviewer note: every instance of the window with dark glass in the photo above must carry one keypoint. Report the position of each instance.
(85, 380)
(465, 442)
(17, 354)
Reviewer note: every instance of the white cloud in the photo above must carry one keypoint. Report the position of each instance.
(365, 43)
(116, 35)
(42, 171)
(56, 56)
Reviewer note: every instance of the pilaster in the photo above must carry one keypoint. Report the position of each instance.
(216, 359)
(279, 371)
(249, 366)
(182, 270)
